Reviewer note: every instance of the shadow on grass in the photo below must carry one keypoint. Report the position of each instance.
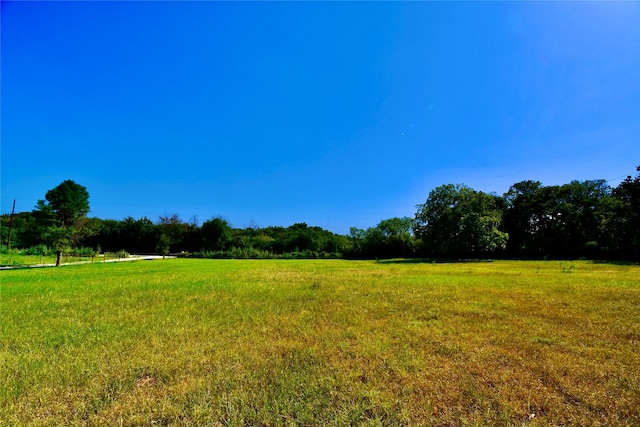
(430, 261)
(14, 266)
(480, 260)
(616, 262)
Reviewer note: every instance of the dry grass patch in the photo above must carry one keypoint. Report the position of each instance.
(228, 342)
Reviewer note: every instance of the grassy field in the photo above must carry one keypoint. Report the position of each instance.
(230, 342)
(16, 258)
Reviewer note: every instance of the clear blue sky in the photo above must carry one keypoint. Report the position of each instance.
(337, 114)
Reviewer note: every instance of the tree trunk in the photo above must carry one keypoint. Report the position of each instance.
(59, 259)
(11, 224)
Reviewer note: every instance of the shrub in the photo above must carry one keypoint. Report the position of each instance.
(42, 250)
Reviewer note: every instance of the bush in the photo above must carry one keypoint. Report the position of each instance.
(81, 252)
(41, 250)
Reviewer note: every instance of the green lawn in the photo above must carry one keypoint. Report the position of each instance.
(17, 259)
(326, 342)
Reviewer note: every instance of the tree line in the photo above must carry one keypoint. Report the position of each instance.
(581, 219)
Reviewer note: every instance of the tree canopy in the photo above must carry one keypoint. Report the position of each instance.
(578, 219)
(459, 221)
(69, 202)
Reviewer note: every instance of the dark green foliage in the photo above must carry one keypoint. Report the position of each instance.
(172, 234)
(136, 236)
(298, 239)
(520, 219)
(215, 239)
(391, 238)
(60, 221)
(458, 221)
(558, 221)
(26, 230)
(622, 222)
(40, 250)
(578, 219)
(216, 234)
(69, 202)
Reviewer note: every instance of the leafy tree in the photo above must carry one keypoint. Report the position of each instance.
(356, 240)
(69, 202)
(137, 236)
(92, 228)
(109, 236)
(172, 234)
(391, 238)
(558, 221)
(520, 218)
(300, 237)
(63, 215)
(458, 221)
(625, 225)
(28, 229)
(216, 234)
(582, 216)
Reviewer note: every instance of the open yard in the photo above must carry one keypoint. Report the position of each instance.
(231, 342)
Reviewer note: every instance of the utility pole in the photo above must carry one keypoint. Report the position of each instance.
(13, 210)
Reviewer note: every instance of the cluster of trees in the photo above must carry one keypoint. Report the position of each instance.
(580, 219)
(57, 221)
(215, 238)
(60, 223)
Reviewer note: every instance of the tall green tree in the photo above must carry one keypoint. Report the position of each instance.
(63, 215)
(172, 232)
(391, 238)
(558, 221)
(583, 212)
(216, 234)
(459, 221)
(138, 236)
(69, 202)
(521, 216)
(625, 227)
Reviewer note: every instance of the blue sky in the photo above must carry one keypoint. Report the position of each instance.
(337, 114)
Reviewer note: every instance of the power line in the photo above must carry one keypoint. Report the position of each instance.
(619, 177)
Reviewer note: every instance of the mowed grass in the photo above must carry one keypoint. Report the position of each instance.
(327, 342)
(15, 259)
